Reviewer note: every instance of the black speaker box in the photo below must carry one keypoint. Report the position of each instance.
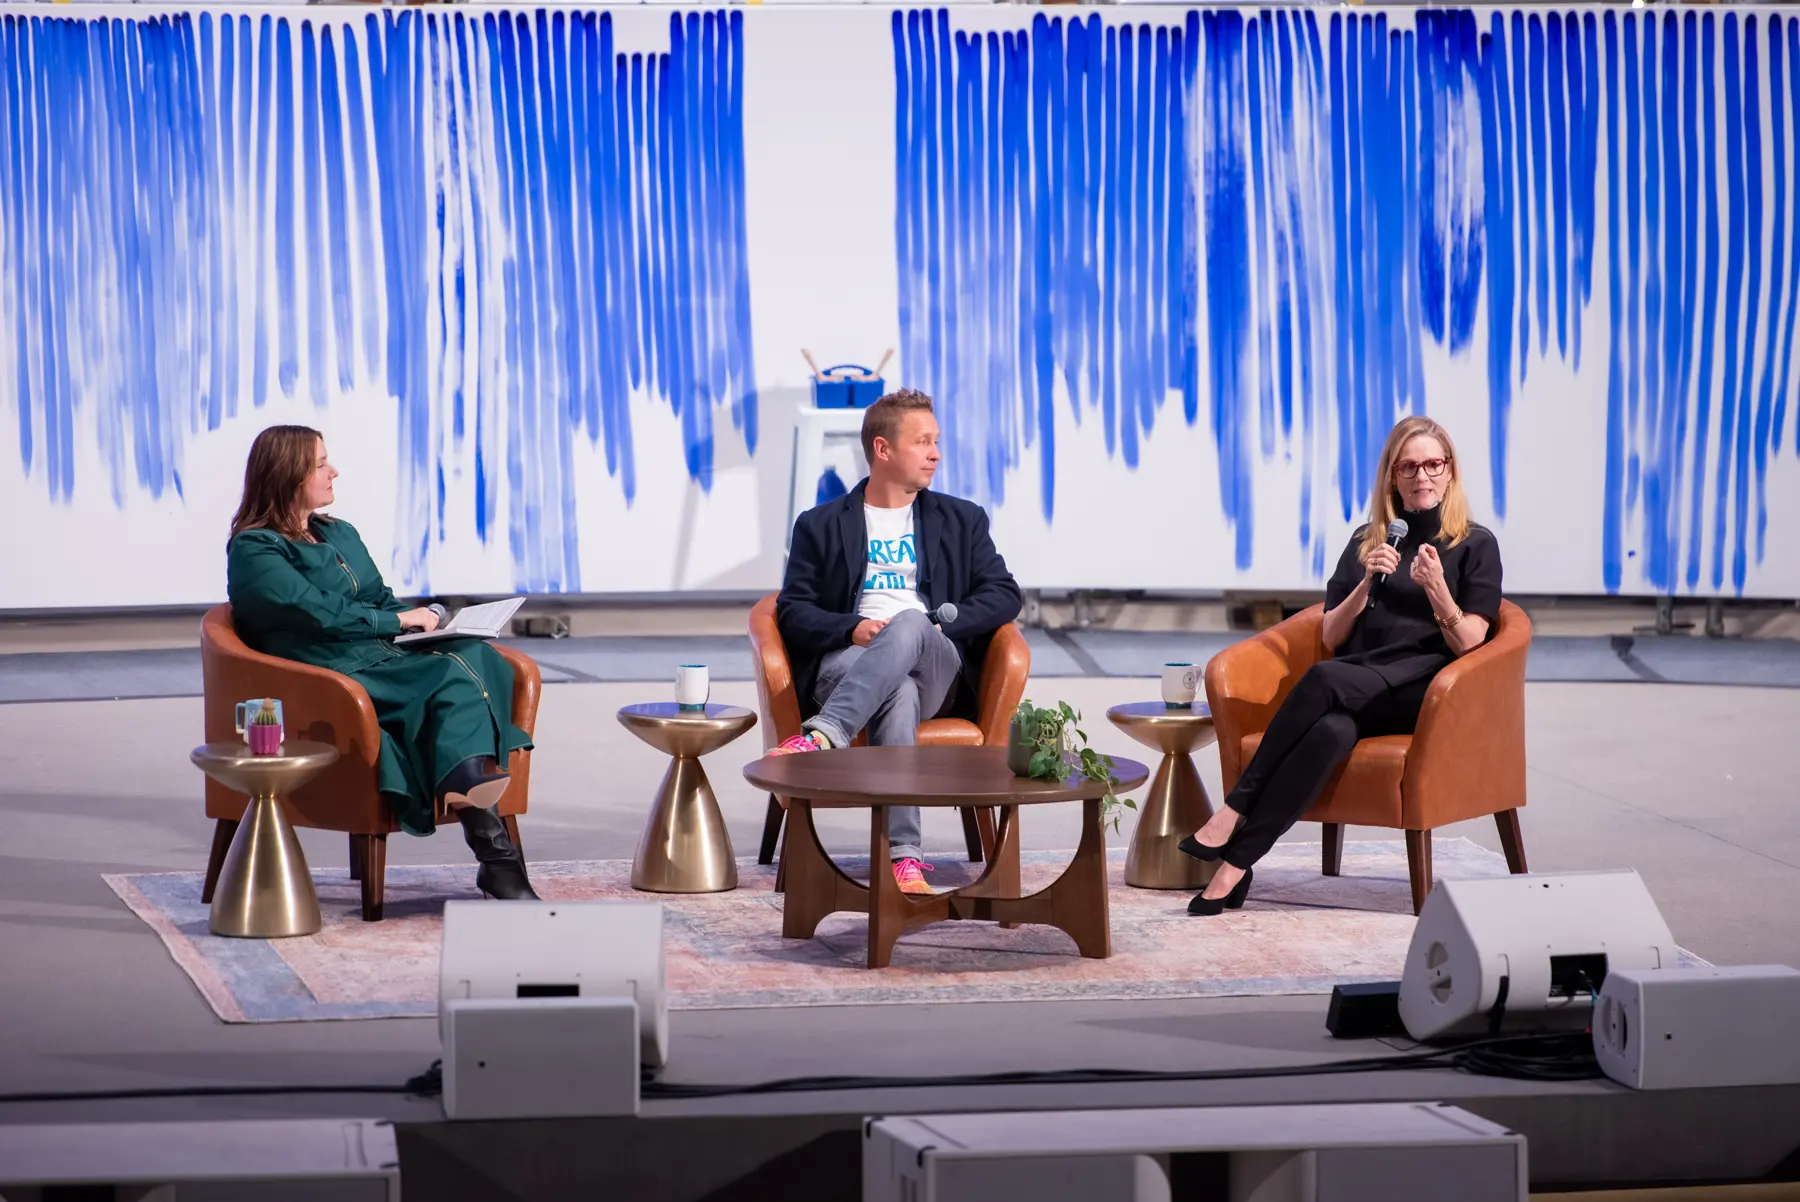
(1366, 1010)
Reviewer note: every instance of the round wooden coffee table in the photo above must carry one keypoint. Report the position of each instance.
(878, 777)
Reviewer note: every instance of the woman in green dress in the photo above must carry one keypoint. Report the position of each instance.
(303, 587)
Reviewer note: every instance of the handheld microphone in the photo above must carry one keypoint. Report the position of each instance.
(943, 615)
(1396, 535)
(443, 615)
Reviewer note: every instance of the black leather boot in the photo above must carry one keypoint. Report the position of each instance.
(502, 872)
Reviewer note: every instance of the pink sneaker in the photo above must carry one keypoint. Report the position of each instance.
(799, 743)
(909, 874)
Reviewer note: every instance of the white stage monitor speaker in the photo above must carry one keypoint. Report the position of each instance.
(500, 951)
(1366, 1152)
(1694, 1028)
(209, 1160)
(1526, 951)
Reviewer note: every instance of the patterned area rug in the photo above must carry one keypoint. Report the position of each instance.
(1300, 933)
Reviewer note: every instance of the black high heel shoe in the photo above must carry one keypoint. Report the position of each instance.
(1190, 846)
(1208, 906)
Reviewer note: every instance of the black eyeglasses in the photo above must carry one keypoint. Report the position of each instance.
(1406, 469)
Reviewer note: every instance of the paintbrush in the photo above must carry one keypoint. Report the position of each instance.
(817, 374)
(888, 354)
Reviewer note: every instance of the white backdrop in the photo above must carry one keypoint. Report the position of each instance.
(172, 270)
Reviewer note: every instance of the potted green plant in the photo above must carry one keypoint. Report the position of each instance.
(1047, 743)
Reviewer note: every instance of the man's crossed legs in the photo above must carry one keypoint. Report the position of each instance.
(905, 675)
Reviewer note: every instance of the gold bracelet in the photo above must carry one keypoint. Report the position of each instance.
(1447, 623)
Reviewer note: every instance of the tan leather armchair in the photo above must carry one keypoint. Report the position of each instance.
(329, 707)
(1465, 759)
(1003, 676)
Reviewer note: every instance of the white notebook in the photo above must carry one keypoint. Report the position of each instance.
(488, 621)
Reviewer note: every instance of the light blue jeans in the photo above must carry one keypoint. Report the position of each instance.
(905, 675)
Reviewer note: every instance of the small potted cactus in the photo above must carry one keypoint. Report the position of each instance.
(265, 730)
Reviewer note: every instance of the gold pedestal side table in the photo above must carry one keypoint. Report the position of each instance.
(265, 890)
(1176, 803)
(685, 848)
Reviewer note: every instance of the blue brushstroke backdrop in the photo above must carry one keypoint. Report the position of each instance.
(1264, 222)
(496, 219)
(1184, 262)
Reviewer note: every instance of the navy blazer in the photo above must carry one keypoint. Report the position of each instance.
(816, 611)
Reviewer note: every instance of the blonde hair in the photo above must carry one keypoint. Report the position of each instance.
(1384, 503)
(884, 418)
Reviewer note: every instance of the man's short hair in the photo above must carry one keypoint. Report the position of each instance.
(883, 418)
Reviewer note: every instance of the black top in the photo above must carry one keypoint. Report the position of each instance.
(1398, 634)
(816, 611)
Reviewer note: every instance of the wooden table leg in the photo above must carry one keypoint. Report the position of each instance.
(816, 887)
(893, 913)
(1007, 877)
(1082, 908)
(1000, 879)
(1075, 903)
(887, 905)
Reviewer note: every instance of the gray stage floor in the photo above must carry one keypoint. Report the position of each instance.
(1694, 787)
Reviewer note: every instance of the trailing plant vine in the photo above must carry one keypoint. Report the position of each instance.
(1058, 750)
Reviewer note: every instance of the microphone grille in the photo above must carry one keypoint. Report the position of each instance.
(1397, 529)
(946, 613)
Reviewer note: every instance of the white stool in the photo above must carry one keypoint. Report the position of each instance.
(813, 430)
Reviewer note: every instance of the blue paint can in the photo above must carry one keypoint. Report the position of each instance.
(847, 386)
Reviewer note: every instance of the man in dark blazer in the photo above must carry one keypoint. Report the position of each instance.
(859, 608)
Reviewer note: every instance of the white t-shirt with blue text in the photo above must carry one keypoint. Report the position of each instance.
(891, 575)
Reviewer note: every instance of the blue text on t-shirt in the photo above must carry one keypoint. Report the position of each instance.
(889, 551)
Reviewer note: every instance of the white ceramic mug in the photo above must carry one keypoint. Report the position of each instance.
(1180, 683)
(692, 687)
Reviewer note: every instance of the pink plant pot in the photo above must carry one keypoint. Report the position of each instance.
(264, 740)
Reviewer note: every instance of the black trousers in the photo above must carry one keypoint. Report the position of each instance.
(1313, 732)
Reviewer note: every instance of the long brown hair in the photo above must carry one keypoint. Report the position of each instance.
(1384, 505)
(281, 459)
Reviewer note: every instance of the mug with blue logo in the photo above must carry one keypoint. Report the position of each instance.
(1180, 685)
(692, 687)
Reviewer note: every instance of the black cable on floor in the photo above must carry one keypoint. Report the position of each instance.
(428, 1084)
(1566, 1057)
(1536, 1057)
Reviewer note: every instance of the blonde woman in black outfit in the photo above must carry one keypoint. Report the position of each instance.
(1393, 618)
